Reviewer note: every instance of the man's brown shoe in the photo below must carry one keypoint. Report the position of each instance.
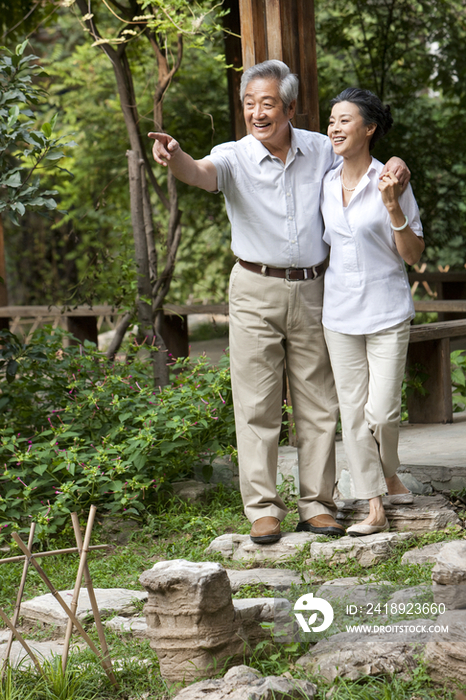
(321, 525)
(265, 530)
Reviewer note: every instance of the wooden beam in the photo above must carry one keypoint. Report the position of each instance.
(285, 30)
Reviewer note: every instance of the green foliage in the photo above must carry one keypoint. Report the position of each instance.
(458, 380)
(77, 431)
(410, 55)
(23, 149)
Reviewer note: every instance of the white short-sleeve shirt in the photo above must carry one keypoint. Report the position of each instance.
(274, 207)
(366, 284)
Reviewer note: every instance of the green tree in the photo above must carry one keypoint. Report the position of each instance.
(411, 55)
(24, 151)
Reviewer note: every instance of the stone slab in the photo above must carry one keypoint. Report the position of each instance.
(422, 555)
(351, 590)
(276, 579)
(136, 626)
(42, 650)
(46, 609)
(244, 683)
(368, 550)
(350, 655)
(241, 547)
(426, 514)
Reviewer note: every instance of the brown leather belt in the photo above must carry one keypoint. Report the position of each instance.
(294, 274)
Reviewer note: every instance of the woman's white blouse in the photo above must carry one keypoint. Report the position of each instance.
(366, 284)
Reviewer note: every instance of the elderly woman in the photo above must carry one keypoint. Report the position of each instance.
(373, 229)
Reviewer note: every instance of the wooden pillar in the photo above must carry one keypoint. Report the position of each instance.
(83, 328)
(435, 406)
(284, 29)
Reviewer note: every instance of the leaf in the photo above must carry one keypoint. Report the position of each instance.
(11, 370)
(47, 129)
(14, 180)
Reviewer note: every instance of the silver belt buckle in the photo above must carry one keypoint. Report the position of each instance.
(288, 270)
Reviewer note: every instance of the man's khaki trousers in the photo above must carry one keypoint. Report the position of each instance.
(272, 320)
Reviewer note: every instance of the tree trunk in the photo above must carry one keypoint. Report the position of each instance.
(154, 341)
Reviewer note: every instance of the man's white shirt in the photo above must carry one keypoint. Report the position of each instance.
(274, 208)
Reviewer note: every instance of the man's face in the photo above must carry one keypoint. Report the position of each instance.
(264, 115)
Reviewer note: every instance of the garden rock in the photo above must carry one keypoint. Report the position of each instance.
(194, 625)
(449, 575)
(409, 595)
(42, 650)
(427, 513)
(252, 613)
(368, 550)
(191, 490)
(119, 530)
(445, 652)
(190, 618)
(136, 626)
(423, 555)
(46, 609)
(242, 548)
(244, 683)
(352, 655)
(350, 590)
(277, 579)
(226, 545)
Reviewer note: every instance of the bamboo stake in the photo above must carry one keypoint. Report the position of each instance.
(57, 596)
(93, 600)
(77, 585)
(36, 555)
(21, 640)
(15, 617)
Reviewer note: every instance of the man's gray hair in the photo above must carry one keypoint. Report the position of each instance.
(287, 81)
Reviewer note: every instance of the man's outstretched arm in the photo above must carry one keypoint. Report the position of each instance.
(168, 152)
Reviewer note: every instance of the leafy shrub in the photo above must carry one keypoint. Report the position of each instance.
(77, 430)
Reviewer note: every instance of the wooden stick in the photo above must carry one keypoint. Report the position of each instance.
(36, 555)
(93, 600)
(21, 640)
(77, 585)
(15, 617)
(57, 596)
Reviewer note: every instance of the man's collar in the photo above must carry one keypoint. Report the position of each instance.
(261, 152)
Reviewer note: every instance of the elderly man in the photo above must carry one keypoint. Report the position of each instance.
(271, 180)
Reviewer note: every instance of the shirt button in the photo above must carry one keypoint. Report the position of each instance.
(290, 218)
(293, 265)
(288, 194)
(294, 240)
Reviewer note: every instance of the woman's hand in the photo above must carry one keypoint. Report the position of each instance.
(390, 189)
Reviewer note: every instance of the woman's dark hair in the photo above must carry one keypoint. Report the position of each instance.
(371, 109)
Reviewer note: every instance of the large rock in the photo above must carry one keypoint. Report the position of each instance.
(242, 548)
(427, 513)
(194, 625)
(351, 655)
(191, 490)
(110, 601)
(449, 575)
(368, 550)
(190, 618)
(277, 579)
(445, 652)
(244, 683)
(423, 555)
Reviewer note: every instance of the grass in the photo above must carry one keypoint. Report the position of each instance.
(183, 530)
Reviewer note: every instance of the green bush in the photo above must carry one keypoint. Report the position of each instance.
(78, 430)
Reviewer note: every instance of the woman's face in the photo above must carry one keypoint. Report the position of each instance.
(347, 131)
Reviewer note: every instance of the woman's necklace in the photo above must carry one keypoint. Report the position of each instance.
(348, 189)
